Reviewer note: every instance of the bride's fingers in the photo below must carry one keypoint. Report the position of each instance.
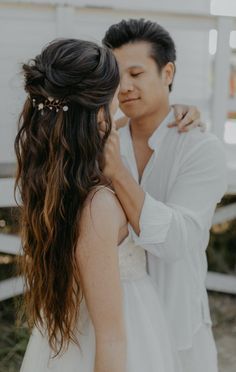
(121, 122)
(102, 128)
(113, 125)
(102, 134)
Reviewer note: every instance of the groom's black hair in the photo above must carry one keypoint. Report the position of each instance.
(135, 30)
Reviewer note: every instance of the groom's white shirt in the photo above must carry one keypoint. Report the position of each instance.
(183, 181)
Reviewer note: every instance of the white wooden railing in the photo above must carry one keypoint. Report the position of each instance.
(11, 245)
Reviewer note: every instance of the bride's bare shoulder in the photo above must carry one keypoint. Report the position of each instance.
(103, 209)
(99, 225)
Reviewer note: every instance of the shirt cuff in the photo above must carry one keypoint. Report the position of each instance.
(154, 222)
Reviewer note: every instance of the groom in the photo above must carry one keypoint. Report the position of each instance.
(168, 185)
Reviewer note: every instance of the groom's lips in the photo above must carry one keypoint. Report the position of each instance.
(129, 100)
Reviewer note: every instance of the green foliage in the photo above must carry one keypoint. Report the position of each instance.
(221, 251)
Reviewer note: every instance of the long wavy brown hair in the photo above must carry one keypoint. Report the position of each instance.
(58, 154)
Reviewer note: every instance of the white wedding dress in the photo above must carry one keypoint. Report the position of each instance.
(149, 347)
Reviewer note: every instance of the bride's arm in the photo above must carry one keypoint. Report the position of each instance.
(97, 258)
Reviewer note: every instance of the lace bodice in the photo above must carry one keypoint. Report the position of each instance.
(132, 260)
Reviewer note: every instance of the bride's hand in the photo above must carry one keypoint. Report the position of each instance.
(112, 162)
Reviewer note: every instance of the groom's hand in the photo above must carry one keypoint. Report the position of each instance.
(187, 118)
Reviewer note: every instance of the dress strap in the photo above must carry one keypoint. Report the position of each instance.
(104, 187)
(108, 188)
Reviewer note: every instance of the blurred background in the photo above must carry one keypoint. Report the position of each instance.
(205, 36)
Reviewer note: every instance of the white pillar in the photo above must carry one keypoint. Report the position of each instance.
(221, 76)
(65, 21)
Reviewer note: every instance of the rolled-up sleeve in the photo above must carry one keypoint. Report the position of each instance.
(169, 230)
(154, 221)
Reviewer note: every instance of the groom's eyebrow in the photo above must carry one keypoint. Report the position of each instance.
(136, 66)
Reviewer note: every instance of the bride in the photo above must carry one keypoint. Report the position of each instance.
(89, 302)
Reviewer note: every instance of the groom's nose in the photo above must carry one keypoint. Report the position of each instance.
(126, 84)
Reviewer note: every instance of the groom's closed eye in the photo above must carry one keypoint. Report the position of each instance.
(135, 74)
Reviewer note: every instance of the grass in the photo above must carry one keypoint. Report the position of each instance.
(13, 338)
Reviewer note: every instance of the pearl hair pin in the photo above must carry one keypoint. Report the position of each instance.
(50, 103)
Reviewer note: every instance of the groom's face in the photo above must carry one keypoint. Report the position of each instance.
(143, 88)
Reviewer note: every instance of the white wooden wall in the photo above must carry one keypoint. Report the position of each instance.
(177, 6)
(25, 29)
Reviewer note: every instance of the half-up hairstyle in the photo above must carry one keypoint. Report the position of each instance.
(58, 155)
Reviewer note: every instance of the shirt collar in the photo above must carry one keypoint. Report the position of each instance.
(125, 141)
(153, 142)
(159, 134)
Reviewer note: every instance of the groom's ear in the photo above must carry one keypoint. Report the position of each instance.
(168, 73)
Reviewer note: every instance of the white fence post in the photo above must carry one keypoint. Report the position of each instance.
(221, 76)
